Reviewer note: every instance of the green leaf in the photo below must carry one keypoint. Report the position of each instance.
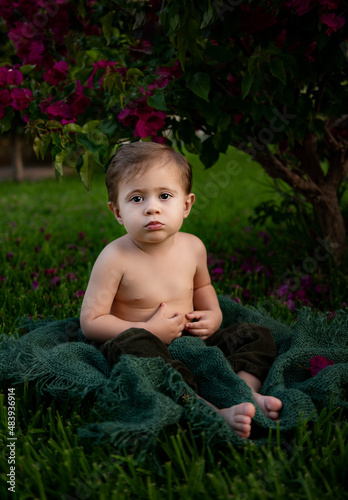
(157, 101)
(247, 82)
(59, 161)
(209, 155)
(84, 140)
(72, 127)
(108, 127)
(277, 69)
(27, 68)
(174, 23)
(107, 26)
(89, 126)
(199, 84)
(207, 17)
(6, 121)
(133, 74)
(85, 169)
(54, 124)
(140, 19)
(45, 142)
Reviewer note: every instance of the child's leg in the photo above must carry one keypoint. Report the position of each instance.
(237, 417)
(250, 349)
(143, 344)
(269, 405)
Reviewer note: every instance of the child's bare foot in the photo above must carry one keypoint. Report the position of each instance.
(238, 418)
(269, 405)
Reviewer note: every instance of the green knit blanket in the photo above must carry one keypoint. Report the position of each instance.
(139, 397)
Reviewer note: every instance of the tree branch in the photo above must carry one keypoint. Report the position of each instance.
(309, 159)
(276, 169)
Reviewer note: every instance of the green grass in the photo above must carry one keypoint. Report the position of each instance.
(50, 235)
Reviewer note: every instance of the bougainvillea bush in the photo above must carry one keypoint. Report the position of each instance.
(268, 77)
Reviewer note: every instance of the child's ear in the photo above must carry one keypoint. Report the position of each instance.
(115, 210)
(190, 199)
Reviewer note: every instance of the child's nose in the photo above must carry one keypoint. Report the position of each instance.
(152, 207)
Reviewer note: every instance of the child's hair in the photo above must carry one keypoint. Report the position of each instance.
(131, 159)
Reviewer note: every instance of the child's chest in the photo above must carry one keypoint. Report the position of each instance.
(147, 282)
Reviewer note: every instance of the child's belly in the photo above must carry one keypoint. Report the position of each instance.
(136, 311)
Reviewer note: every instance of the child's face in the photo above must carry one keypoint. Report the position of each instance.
(153, 205)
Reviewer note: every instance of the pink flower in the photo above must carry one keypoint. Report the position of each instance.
(300, 6)
(21, 98)
(318, 363)
(56, 74)
(60, 111)
(104, 64)
(331, 4)
(144, 120)
(35, 284)
(80, 104)
(5, 98)
(332, 22)
(14, 77)
(153, 121)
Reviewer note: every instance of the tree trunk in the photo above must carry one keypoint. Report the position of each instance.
(332, 225)
(17, 158)
(322, 195)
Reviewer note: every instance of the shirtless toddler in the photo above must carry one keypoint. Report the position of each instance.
(155, 278)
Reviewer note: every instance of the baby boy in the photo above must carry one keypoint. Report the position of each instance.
(152, 285)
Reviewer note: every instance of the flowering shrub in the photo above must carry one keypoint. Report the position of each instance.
(87, 76)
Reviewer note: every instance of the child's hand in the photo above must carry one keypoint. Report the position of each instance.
(166, 329)
(207, 323)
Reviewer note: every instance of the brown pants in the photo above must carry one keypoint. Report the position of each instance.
(247, 347)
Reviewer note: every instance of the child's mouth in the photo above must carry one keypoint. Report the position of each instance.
(154, 225)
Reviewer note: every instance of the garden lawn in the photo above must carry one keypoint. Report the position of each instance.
(51, 234)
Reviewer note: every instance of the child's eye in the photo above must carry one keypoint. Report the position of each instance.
(137, 198)
(165, 196)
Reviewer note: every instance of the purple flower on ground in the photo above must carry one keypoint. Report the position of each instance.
(217, 273)
(264, 236)
(56, 281)
(9, 256)
(318, 363)
(35, 285)
(71, 277)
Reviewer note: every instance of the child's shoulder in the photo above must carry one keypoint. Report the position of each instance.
(192, 240)
(117, 246)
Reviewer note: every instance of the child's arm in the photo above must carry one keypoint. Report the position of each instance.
(207, 311)
(97, 322)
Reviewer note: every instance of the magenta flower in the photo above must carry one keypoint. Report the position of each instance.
(144, 120)
(60, 111)
(10, 77)
(103, 64)
(318, 363)
(5, 98)
(56, 74)
(332, 22)
(35, 284)
(21, 98)
(300, 6)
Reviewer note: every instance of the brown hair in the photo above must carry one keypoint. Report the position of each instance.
(133, 158)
